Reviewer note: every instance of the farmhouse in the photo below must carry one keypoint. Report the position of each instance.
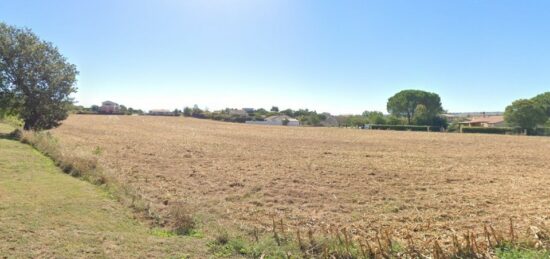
(281, 120)
(485, 121)
(109, 107)
(161, 112)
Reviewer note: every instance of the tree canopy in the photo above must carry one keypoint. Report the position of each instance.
(35, 79)
(406, 104)
(544, 101)
(526, 114)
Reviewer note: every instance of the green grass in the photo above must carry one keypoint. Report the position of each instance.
(519, 253)
(46, 213)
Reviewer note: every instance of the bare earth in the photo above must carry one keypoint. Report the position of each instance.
(426, 184)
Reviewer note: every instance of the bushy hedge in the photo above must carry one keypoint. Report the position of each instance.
(405, 127)
(542, 132)
(499, 130)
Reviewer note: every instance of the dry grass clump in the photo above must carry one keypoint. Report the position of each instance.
(181, 220)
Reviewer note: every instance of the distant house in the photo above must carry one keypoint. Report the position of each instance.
(161, 112)
(485, 121)
(109, 107)
(281, 120)
(238, 112)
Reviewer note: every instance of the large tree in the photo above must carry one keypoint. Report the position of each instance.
(406, 103)
(35, 79)
(526, 114)
(544, 101)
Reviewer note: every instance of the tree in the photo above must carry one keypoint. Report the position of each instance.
(187, 111)
(35, 79)
(526, 114)
(374, 117)
(288, 112)
(275, 109)
(544, 101)
(404, 104)
(95, 108)
(123, 109)
(197, 112)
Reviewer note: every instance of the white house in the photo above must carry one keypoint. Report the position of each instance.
(280, 120)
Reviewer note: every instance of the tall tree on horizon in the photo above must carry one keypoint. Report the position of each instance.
(406, 104)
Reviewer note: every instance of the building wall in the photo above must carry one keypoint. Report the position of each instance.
(109, 108)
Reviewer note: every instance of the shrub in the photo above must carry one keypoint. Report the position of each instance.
(182, 221)
(483, 130)
(542, 132)
(406, 127)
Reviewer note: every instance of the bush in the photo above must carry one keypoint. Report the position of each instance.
(483, 130)
(182, 221)
(406, 128)
(541, 132)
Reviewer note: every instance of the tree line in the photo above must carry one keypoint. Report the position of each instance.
(528, 114)
(36, 82)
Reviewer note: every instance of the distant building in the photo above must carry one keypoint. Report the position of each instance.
(473, 114)
(109, 107)
(161, 112)
(280, 120)
(485, 121)
(238, 112)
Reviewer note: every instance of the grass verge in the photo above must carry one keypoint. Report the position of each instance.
(45, 213)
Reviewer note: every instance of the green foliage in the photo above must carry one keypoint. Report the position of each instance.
(356, 121)
(375, 117)
(394, 120)
(275, 109)
(406, 103)
(35, 79)
(526, 114)
(508, 252)
(187, 112)
(543, 100)
(406, 127)
(197, 112)
(495, 130)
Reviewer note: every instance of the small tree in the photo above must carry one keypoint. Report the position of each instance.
(526, 114)
(275, 109)
(187, 112)
(374, 117)
(35, 79)
(95, 108)
(123, 109)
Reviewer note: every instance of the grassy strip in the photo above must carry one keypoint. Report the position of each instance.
(47, 214)
(86, 167)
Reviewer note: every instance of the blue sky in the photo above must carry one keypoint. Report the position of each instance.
(334, 56)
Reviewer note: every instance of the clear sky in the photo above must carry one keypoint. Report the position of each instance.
(333, 56)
